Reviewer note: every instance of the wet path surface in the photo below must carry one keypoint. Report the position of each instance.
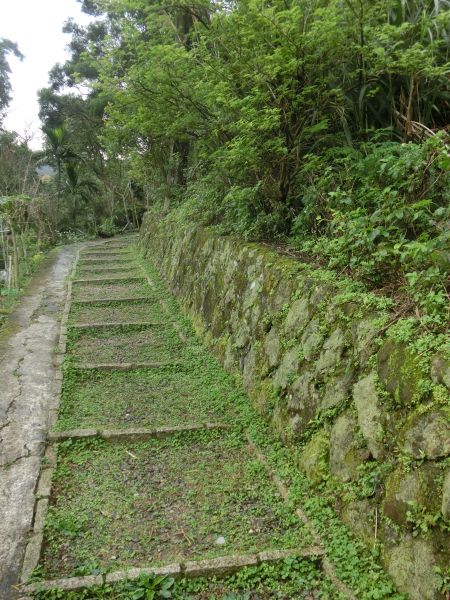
(27, 394)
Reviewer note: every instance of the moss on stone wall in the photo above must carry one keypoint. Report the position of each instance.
(317, 357)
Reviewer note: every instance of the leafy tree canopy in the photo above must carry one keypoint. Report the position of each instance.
(7, 48)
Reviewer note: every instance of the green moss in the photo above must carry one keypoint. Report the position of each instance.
(314, 457)
(402, 374)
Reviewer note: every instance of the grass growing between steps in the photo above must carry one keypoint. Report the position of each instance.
(104, 265)
(112, 253)
(139, 311)
(85, 271)
(297, 578)
(190, 496)
(110, 290)
(144, 398)
(131, 343)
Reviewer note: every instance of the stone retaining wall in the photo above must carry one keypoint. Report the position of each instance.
(371, 416)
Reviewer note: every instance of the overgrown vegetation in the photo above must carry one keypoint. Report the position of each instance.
(320, 124)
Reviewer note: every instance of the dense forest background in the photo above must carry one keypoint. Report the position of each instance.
(318, 125)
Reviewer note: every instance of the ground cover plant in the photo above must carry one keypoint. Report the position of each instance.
(108, 255)
(110, 290)
(104, 259)
(171, 396)
(121, 270)
(184, 497)
(104, 266)
(297, 578)
(129, 343)
(138, 311)
(108, 277)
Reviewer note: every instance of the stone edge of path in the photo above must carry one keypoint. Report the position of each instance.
(283, 490)
(123, 267)
(108, 279)
(43, 489)
(132, 434)
(147, 299)
(65, 314)
(213, 567)
(124, 249)
(102, 255)
(113, 324)
(105, 259)
(123, 366)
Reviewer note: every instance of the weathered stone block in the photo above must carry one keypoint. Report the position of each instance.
(303, 400)
(345, 456)
(173, 570)
(400, 372)
(250, 369)
(364, 333)
(411, 565)
(242, 334)
(440, 370)
(218, 567)
(297, 317)
(288, 367)
(40, 515)
(276, 555)
(331, 354)
(72, 434)
(337, 386)
(371, 416)
(49, 459)
(45, 483)
(311, 339)
(272, 347)
(427, 435)
(314, 457)
(252, 292)
(360, 518)
(67, 583)
(406, 490)
(32, 555)
(445, 507)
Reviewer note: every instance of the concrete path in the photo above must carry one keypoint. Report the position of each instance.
(27, 393)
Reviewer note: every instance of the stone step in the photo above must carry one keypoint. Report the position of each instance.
(122, 299)
(124, 366)
(218, 567)
(136, 434)
(120, 324)
(109, 279)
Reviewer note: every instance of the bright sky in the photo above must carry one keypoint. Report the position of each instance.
(36, 26)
